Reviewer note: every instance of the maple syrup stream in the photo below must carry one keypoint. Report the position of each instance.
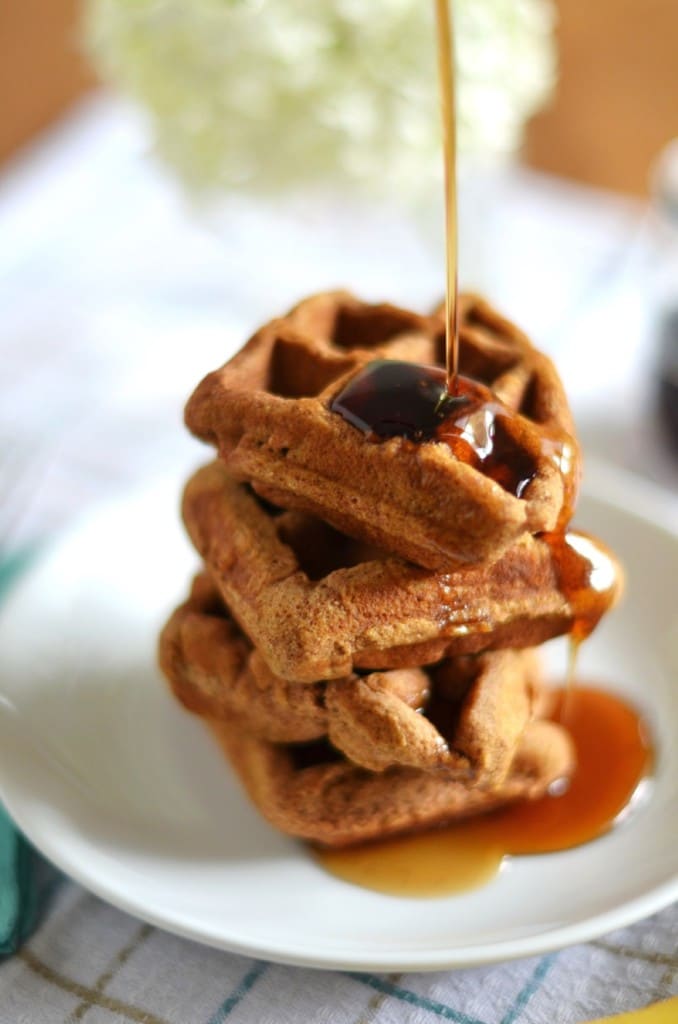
(390, 398)
(445, 38)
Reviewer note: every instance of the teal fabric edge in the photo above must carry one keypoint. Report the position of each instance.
(12, 566)
(27, 880)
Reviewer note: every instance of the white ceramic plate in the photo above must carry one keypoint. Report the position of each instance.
(127, 793)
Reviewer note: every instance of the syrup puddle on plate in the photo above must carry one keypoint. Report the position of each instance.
(613, 757)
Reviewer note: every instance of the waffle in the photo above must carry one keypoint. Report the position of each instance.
(464, 717)
(318, 605)
(214, 672)
(268, 412)
(313, 793)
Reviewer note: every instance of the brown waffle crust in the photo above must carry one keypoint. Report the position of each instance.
(308, 792)
(464, 717)
(268, 412)
(318, 605)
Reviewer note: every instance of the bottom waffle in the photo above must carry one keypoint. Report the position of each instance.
(464, 717)
(312, 792)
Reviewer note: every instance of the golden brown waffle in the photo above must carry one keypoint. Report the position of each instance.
(214, 671)
(268, 411)
(464, 716)
(317, 605)
(309, 792)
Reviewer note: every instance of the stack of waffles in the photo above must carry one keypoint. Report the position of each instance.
(361, 637)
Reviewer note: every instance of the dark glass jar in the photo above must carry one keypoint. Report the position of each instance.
(665, 210)
(668, 374)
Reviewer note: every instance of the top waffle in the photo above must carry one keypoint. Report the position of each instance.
(269, 412)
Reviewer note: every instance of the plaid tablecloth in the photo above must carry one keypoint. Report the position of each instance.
(114, 301)
(91, 962)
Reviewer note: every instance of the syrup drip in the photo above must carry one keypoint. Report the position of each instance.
(587, 576)
(613, 756)
(563, 453)
(588, 580)
(573, 648)
(389, 398)
(448, 111)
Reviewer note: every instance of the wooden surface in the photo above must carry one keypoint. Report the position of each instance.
(617, 100)
(41, 69)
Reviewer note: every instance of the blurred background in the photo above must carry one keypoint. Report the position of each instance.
(173, 174)
(615, 107)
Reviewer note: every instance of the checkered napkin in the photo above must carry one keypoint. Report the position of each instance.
(89, 962)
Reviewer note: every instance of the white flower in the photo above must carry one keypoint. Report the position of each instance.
(279, 94)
